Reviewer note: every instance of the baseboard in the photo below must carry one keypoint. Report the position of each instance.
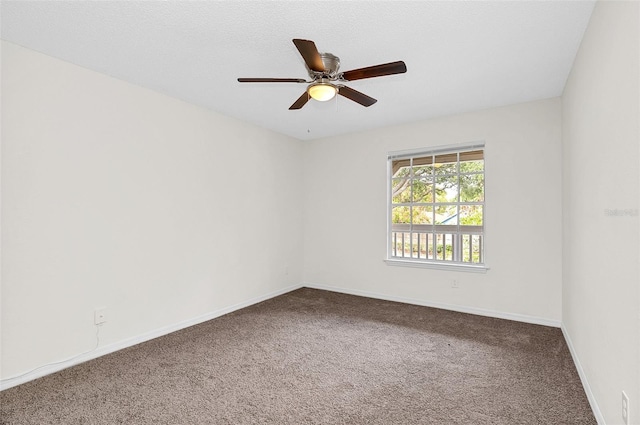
(107, 349)
(462, 309)
(583, 378)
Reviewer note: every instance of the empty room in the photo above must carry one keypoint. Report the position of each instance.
(320, 212)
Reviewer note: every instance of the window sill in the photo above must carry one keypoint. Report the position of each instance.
(438, 266)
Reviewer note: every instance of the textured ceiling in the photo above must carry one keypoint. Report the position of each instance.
(460, 56)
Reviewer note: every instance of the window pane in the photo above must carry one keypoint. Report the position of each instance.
(471, 248)
(423, 160)
(422, 215)
(400, 191)
(420, 245)
(446, 164)
(446, 214)
(472, 188)
(472, 161)
(444, 246)
(401, 244)
(394, 237)
(415, 246)
(430, 246)
(423, 190)
(471, 215)
(446, 189)
(401, 215)
(422, 171)
(472, 167)
(407, 244)
(401, 168)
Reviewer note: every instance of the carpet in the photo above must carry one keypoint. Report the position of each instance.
(318, 357)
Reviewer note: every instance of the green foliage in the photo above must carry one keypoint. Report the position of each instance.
(431, 187)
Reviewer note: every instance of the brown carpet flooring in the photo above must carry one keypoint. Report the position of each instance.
(316, 357)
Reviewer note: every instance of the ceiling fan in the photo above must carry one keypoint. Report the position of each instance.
(326, 81)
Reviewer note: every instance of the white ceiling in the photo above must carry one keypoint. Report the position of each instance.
(460, 55)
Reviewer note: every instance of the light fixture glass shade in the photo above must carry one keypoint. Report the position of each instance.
(322, 91)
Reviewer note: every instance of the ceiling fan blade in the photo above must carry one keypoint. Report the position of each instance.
(271, 80)
(302, 100)
(375, 71)
(309, 52)
(356, 96)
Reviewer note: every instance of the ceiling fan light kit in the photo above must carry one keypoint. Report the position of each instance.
(322, 90)
(323, 71)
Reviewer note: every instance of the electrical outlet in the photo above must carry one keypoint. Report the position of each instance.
(455, 283)
(625, 408)
(100, 316)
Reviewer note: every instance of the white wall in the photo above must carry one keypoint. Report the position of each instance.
(345, 213)
(116, 196)
(601, 140)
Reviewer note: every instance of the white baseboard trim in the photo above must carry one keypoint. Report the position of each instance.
(129, 342)
(462, 309)
(583, 378)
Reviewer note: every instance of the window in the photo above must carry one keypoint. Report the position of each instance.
(436, 207)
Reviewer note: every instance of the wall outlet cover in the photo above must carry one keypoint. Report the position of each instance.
(100, 316)
(625, 408)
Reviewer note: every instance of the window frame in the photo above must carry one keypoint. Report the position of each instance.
(441, 264)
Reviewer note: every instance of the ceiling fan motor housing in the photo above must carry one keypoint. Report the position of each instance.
(331, 67)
